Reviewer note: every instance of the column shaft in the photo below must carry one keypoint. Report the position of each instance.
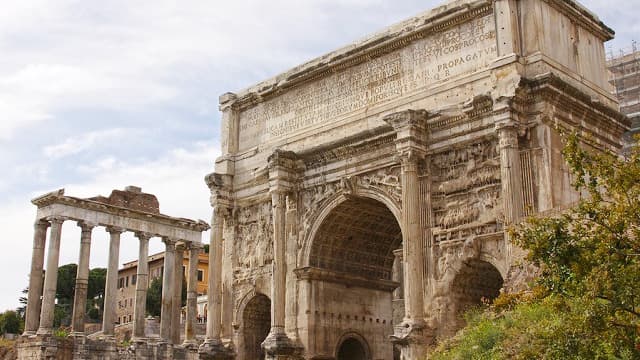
(214, 295)
(50, 279)
(177, 295)
(111, 286)
(510, 169)
(278, 278)
(192, 295)
(167, 288)
(142, 284)
(412, 251)
(82, 279)
(35, 278)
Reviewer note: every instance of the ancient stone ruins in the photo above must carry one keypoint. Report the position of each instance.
(361, 200)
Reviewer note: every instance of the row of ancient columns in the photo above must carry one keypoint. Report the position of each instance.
(41, 299)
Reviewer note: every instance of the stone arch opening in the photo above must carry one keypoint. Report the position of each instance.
(256, 320)
(352, 349)
(350, 270)
(357, 238)
(477, 281)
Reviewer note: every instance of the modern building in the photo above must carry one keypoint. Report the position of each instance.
(127, 282)
(625, 77)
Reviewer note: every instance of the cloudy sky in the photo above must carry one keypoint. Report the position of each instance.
(96, 95)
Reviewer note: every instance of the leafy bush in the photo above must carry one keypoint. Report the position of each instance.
(10, 323)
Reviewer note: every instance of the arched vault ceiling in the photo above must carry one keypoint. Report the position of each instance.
(357, 238)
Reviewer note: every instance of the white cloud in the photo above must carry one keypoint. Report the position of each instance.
(78, 144)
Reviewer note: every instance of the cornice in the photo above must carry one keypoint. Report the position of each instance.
(312, 273)
(584, 17)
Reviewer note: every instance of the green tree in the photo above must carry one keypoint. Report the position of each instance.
(10, 322)
(586, 303)
(66, 285)
(95, 293)
(154, 297)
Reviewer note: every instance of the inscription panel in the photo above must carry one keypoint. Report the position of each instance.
(462, 49)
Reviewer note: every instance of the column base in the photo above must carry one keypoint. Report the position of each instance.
(413, 338)
(44, 332)
(279, 346)
(215, 350)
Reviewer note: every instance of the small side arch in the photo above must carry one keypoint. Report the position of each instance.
(352, 346)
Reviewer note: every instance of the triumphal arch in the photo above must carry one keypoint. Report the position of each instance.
(361, 199)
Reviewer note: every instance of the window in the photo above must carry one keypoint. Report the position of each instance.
(129, 318)
(120, 283)
(126, 280)
(134, 279)
(130, 304)
(200, 275)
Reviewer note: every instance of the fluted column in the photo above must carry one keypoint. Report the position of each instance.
(510, 171)
(220, 187)
(111, 286)
(142, 285)
(167, 288)
(192, 295)
(82, 278)
(411, 145)
(50, 278)
(35, 277)
(177, 294)
(214, 295)
(412, 250)
(278, 277)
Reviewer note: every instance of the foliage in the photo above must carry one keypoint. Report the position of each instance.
(586, 304)
(154, 297)
(22, 309)
(95, 293)
(61, 332)
(66, 285)
(10, 323)
(550, 328)
(591, 253)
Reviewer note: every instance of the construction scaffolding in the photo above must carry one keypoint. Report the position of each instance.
(625, 78)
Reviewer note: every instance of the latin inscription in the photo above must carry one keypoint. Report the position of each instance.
(463, 49)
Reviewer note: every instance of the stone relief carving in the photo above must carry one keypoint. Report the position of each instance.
(467, 196)
(386, 179)
(255, 236)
